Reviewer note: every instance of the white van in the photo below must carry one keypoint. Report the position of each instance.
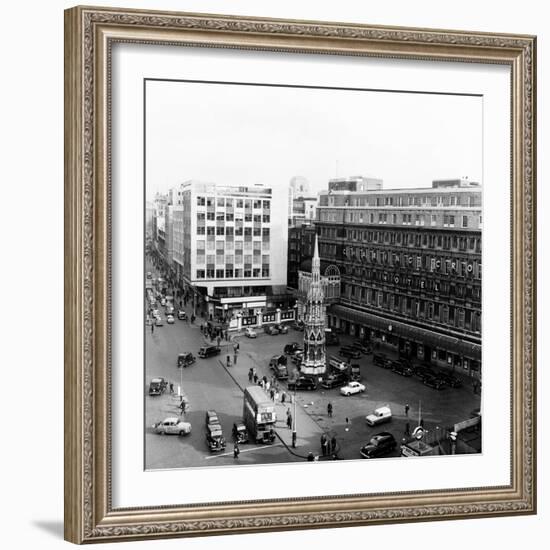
(379, 416)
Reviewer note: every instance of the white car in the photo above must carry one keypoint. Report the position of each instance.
(379, 416)
(250, 333)
(158, 321)
(353, 387)
(170, 319)
(172, 426)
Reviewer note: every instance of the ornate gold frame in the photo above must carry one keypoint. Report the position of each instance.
(89, 33)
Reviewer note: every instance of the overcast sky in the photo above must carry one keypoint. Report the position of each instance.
(234, 134)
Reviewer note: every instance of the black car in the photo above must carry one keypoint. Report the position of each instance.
(331, 339)
(291, 348)
(381, 444)
(208, 351)
(433, 382)
(381, 360)
(334, 380)
(350, 352)
(421, 371)
(363, 347)
(157, 386)
(450, 380)
(302, 383)
(186, 359)
(240, 433)
(401, 368)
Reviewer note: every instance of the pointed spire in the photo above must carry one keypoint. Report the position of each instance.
(316, 249)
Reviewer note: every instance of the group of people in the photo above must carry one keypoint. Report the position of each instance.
(328, 446)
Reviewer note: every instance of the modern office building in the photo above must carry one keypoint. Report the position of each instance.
(302, 203)
(234, 253)
(410, 266)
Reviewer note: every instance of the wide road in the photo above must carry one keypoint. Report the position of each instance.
(207, 385)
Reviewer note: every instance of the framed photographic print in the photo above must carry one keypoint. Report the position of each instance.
(299, 279)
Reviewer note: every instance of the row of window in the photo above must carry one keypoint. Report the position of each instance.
(450, 316)
(229, 259)
(230, 217)
(237, 273)
(452, 289)
(235, 231)
(222, 245)
(432, 220)
(222, 202)
(461, 267)
(432, 200)
(402, 238)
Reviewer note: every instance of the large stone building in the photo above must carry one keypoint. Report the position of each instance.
(234, 248)
(410, 266)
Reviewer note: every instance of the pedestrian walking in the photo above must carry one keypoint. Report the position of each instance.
(407, 429)
(407, 408)
(235, 358)
(228, 360)
(255, 376)
(171, 388)
(250, 375)
(333, 444)
(272, 394)
(329, 410)
(324, 442)
(182, 407)
(152, 327)
(283, 397)
(236, 451)
(289, 421)
(276, 396)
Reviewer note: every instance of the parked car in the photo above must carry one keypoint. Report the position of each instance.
(292, 348)
(433, 382)
(379, 445)
(379, 416)
(350, 352)
(363, 347)
(208, 351)
(450, 379)
(422, 370)
(250, 332)
(182, 315)
(334, 380)
(381, 360)
(331, 339)
(355, 373)
(211, 417)
(214, 438)
(337, 364)
(186, 359)
(352, 388)
(158, 321)
(278, 365)
(302, 383)
(172, 426)
(170, 319)
(169, 309)
(283, 329)
(272, 330)
(400, 368)
(157, 386)
(240, 433)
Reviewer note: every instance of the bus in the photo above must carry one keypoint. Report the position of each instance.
(259, 415)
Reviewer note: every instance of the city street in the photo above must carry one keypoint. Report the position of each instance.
(209, 384)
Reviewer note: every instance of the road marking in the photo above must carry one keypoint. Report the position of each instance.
(244, 451)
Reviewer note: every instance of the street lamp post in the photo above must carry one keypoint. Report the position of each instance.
(294, 420)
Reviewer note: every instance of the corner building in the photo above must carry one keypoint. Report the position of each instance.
(410, 263)
(234, 248)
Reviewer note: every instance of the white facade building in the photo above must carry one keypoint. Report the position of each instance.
(234, 250)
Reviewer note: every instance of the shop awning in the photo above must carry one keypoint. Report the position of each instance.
(414, 333)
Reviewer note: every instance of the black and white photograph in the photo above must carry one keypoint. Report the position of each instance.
(313, 273)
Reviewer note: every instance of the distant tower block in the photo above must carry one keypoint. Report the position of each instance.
(314, 363)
